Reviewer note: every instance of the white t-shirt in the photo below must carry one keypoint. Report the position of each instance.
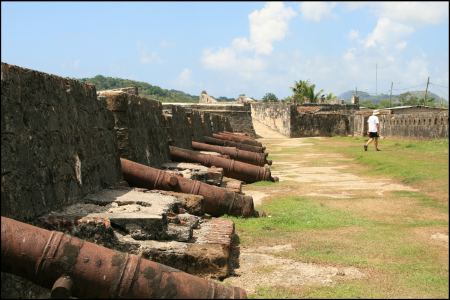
(373, 121)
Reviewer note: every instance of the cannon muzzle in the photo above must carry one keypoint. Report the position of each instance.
(67, 264)
(217, 201)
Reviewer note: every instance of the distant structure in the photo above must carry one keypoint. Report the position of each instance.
(355, 100)
(245, 99)
(205, 98)
(322, 99)
(133, 90)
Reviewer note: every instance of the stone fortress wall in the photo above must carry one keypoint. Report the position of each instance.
(239, 115)
(335, 119)
(414, 122)
(61, 144)
(58, 142)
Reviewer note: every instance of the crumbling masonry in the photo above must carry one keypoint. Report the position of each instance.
(97, 166)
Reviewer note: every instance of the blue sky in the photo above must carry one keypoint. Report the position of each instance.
(232, 48)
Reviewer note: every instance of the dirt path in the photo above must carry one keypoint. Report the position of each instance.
(321, 175)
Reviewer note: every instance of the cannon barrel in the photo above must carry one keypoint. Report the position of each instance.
(87, 270)
(217, 201)
(246, 147)
(238, 133)
(255, 158)
(231, 168)
(235, 138)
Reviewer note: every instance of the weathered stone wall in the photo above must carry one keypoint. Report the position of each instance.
(319, 124)
(305, 120)
(274, 115)
(58, 142)
(360, 123)
(239, 115)
(220, 123)
(416, 109)
(178, 126)
(139, 125)
(418, 124)
(186, 124)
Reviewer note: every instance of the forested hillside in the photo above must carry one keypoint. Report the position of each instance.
(145, 89)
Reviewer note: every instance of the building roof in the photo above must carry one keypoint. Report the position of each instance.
(412, 106)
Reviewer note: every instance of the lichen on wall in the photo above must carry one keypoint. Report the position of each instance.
(58, 142)
(139, 125)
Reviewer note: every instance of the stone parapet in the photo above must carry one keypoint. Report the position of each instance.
(58, 142)
(138, 122)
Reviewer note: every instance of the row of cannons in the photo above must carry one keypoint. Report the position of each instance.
(74, 267)
(248, 165)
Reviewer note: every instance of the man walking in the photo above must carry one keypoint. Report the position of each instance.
(374, 129)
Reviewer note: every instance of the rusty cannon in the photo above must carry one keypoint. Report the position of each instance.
(231, 168)
(217, 201)
(255, 158)
(235, 138)
(237, 133)
(73, 267)
(240, 137)
(226, 143)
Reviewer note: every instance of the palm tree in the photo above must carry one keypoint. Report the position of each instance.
(304, 92)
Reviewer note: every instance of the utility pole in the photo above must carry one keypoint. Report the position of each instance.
(376, 79)
(390, 96)
(426, 91)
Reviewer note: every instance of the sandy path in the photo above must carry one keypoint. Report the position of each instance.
(261, 266)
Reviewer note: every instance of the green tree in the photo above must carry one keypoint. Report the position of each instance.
(270, 97)
(368, 104)
(330, 96)
(304, 92)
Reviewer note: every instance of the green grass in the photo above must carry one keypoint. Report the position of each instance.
(423, 199)
(410, 161)
(287, 216)
(394, 251)
(293, 213)
(264, 183)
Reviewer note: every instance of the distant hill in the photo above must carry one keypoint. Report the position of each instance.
(144, 89)
(363, 96)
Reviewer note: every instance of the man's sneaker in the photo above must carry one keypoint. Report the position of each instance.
(365, 147)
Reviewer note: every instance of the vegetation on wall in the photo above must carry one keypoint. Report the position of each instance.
(270, 97)
(144, 89)
(304, 92)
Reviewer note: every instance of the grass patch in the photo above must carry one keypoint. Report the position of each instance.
(390, 242)
(290, 214)
(346, 290)
(274, 293)
(263, 183)
(416, 162)
(423, 199)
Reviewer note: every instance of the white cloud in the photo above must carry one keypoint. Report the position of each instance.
(146, 56)
(268, 25)
(398, 20)
(185, 78)
(73, 64)
(353, 5)
(245, 55)
(353, 34)
(417, 13)
(387, 33)
(227, 59)
(350, 54)
(166, 44)
(316, 11)
(401, 45)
